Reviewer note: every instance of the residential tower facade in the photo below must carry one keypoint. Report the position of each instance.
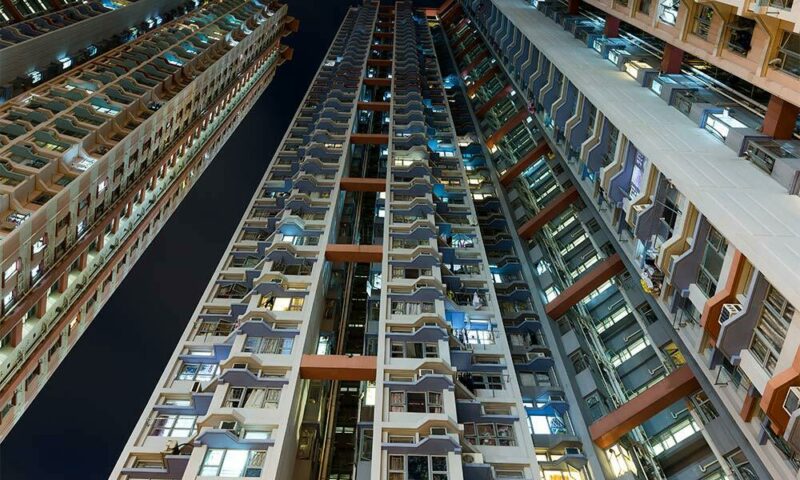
(503, 240)
(95, 160)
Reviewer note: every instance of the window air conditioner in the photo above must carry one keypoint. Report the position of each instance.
(472, 457)
(728, 311)
(231, 425)
(792, 401)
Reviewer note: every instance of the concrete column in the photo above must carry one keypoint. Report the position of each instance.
(468, 48)
(576, 292)
(672, 60)
(378, 82)
(357, 184)
(374, 106)
(115, 224)
(11, 9)
(353, 253)
(709, 319)
(501, 94)
(369, 139)
(487, 75)
(550, 211)
(41, 306)
(452, 30)
(16, 335)
(63, 282)
(475, 62)
(445, 6)
(610, 428)
(101, 241)
(775, 392)
(512, 122)
(83, 260)
(611, 28)
(749, 404)
(526, 161)
(779, 122)
(339, 367)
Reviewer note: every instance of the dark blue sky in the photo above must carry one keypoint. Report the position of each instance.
(77, 426)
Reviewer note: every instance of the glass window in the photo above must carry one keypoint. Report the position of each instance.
(417, 467)
(247, 397)
(702, 21)
(200, 372)
(487, 381)
(500, 434)
(366, 446)
(174, 426)
(279, 346)
(673, 435)
(741, 465)
(713, 256)
(547, 425)
(789, 54)
(233, 463)
(668, 11)
(215, 328)
(740, 35)
(776, 315)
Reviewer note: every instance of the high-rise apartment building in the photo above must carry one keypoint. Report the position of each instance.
(510, 240)
(96, 159)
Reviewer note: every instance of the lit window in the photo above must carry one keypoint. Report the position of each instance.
(202, 372)
(174, 426)
(65, 62)
(233, 463)
(10, 271)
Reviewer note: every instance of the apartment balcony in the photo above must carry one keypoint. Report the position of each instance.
(232, 439)
(170, 466)
(244, 375)
(424, 445)
(424, 333)
(539, 360)
(419, 290)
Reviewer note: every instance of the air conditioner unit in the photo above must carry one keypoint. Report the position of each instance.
(792, 401)
(472, 458)
(728, 311)
(426, 371)
(231, 425)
